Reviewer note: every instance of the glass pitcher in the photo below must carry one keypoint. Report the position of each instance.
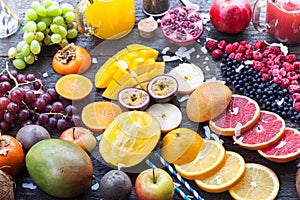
(9, 20)
(282, 19)
(105, 19)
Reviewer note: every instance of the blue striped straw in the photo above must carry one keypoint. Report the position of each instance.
(177, 189)
(170, 168)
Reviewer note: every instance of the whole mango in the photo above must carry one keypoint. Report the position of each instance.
(60, 168)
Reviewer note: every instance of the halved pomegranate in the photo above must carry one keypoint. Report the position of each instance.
(162, 88)
(182, 25)
(133, 99)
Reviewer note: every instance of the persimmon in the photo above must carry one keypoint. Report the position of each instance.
(72, 59)
(11, 155)
(74, 87)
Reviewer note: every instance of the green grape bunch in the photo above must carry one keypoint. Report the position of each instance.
(46, 23)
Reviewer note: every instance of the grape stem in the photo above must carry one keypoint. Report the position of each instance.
(15, 80)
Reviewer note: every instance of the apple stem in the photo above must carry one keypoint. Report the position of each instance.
(74, 133)
(154, 178)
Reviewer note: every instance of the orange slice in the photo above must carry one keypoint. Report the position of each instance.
(181, 146)
(129, 138)
(266, 132)
(97, 116)
(74, 87)
(208, 162)
(259, 182)
(230, 174)
(286, 149)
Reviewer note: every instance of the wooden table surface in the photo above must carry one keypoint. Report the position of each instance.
(101, 50)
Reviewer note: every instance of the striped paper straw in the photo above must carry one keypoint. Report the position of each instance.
(177, 189)
(170, 168)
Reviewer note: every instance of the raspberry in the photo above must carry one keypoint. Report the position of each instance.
(232, 56)
(229, 48)
(282, 72)
(248, 54)
(257, 55)
(293, 89)
(274, 50)
(211, 45)
(264, 70)
(292, 76)
(297, 106)
(294, 82)
(288, 66)
(217, 53)
(277, 79)
(285, 83)
(279, 59)
(236, 45)
(259, 45)
(275, 72)
(296, 66)
(270, 63)
(258, 65)
(239, 57)
(244, 42)
(264, 77)
(271, 56)
(296, 96)
(222, 44)
(290, 58)
(241, 49)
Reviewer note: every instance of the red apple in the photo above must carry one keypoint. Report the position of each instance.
(80, 136)
(154, 184)
(230, 16)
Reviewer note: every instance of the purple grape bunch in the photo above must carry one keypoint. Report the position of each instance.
(25, 100)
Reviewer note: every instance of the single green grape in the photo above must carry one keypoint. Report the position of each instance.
(30, 26)
(29, 59)
(62, 31)
(66, 7)
(39, 36)
(64, 43)
(31, 14)
(41, 11)
(56, 38)
(12, 52)
(28, 37)
(69, 17)
(41, 26)
(19, 56)
(47, 3)
(25, 51)
(46, 20)
(72, 33)
(47, 40)
(19, 63)
(35, 47)
(54, 28)
(59, 20)
(53, 11)
(20, 45)
(35, 5)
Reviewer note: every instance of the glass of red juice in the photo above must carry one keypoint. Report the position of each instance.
(282, 19)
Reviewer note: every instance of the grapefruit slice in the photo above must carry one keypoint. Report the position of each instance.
(232, 172)
(259, 182)
(286, 149)
(266, 132)
(242, 111)
(129, 138)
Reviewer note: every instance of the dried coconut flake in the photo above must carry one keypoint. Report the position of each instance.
(280, 145)
(239, 140)
(95, 186)
(237, 129)
(165, 50)
(207, 132)
(30, 186)
(94, 60)
(184, 98)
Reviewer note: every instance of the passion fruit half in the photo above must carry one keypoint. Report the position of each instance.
(162, 88)
(133, 99)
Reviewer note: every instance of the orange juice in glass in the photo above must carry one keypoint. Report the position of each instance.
(106, 19)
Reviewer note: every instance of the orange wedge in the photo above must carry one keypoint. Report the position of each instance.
(227, 177)
(208, 162)
(259, 182)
